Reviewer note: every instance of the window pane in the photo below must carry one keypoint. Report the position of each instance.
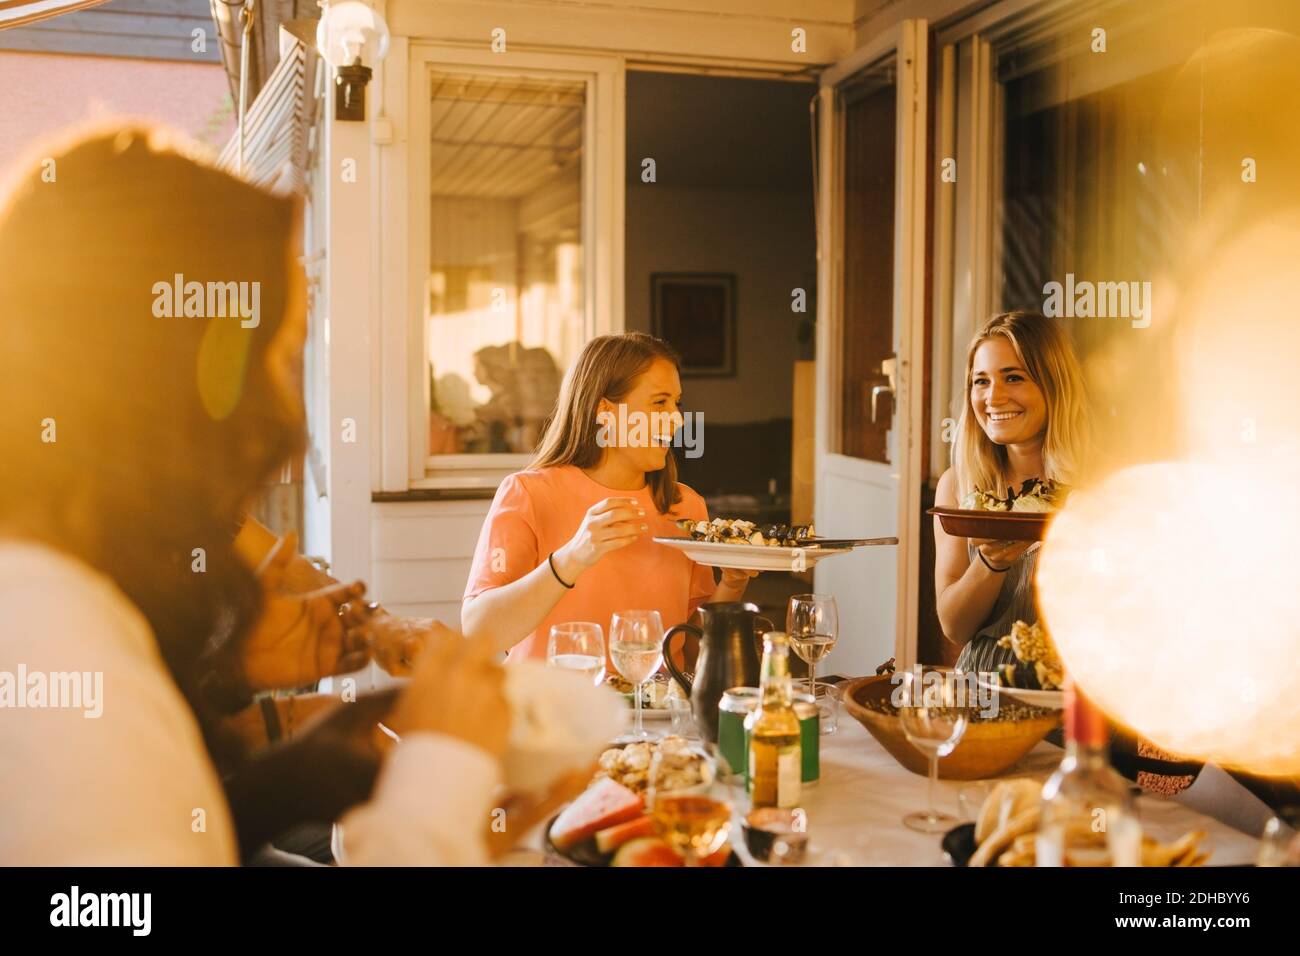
(505, 312)
(1101, 186)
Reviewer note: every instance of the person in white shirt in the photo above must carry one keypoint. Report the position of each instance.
(155, 318)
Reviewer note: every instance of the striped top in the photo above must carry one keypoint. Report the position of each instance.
(1015, 603)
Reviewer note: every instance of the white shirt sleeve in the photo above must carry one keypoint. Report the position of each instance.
(431, 807)
(122, 777)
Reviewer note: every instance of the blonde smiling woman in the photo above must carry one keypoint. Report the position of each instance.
(1024, 417)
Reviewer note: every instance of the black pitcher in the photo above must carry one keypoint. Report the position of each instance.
(728, 658)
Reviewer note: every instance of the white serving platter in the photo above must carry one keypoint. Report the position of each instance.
(752, 557)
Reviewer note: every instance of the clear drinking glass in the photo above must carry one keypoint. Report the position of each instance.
(934, 725)
(1280, 843)
(689, 794)
(683, 720)
(813, 623)
(636, 647)
(578, 646)
(828, 706)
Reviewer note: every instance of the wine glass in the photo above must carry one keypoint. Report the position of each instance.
(578, 646)
(813, 623)
(636, 646)
(688, 792)
(934, 725)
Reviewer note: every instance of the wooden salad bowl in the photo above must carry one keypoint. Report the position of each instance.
(988, 748)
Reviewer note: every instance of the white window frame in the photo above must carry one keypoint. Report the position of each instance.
(406, 441)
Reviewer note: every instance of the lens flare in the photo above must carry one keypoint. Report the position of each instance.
(1170, 588)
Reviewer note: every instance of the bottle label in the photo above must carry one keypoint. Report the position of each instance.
(774, 777)
(789, 771)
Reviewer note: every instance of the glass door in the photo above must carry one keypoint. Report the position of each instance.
(871, 334)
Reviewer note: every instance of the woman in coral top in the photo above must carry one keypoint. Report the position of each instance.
(570, 538)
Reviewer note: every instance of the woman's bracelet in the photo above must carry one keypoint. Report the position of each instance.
(989, 566)
(271, 719)
(550, 559)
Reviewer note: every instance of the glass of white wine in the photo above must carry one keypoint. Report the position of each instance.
(688, 791)
(636, 647)
(934, 725)
(813, 623)
(578, 646)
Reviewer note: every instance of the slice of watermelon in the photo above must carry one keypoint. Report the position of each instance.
(602, 805)
(611, 838)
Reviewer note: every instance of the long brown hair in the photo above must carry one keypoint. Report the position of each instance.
(607, 368)
(160, 428)
(1044, 347)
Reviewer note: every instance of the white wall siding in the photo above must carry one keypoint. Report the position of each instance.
(421, 555)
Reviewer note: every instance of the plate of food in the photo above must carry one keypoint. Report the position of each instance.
(608, 823)
(656, 695)
(749, 546)
(1007, 829)
(1036, 676)
(1023, 515)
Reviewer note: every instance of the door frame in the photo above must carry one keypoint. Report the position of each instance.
(907, 42)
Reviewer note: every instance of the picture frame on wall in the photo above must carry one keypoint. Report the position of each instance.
(695, 313)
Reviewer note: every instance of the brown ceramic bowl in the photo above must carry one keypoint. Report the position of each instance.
(997, 525)
(988, 748)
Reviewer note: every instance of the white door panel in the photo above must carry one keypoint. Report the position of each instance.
(863, 582)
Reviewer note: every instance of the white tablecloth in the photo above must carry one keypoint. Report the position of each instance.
(855, 811)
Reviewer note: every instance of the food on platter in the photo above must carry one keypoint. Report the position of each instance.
(620, 683)
(647, 851)
(606, 803)
(630, 765)
(738, 531)
(1007, 711)
(1034, 495)
(611, 838)
(1008, 822)
(655, 695)
(607, 825)
(1007, 799)
(652, 851)
(1037, 665)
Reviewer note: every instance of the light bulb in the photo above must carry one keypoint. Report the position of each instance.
(349, 30)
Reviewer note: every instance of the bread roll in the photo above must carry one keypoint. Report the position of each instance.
(1007, 799)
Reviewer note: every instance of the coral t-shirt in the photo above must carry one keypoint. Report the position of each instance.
(535, 512)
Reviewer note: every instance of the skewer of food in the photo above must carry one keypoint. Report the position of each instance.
(739, 531)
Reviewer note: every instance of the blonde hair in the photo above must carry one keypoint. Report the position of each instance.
(607, 368)
(1045, 351)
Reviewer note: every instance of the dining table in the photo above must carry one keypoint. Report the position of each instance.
(855, 810)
